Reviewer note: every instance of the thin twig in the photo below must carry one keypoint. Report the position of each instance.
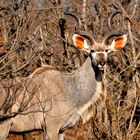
(134, 9)
(132, 41)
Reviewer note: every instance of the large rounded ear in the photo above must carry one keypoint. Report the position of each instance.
(118, 43)
(80, 42)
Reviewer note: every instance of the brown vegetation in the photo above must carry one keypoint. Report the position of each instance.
(30, 37)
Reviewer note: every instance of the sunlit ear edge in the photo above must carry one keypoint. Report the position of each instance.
(85, 44)
(112, 46)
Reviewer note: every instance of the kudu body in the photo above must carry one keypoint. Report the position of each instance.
(58, 99)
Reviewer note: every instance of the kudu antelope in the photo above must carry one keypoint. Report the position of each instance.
(60, 99)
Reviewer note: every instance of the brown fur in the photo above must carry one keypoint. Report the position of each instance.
(54, 99)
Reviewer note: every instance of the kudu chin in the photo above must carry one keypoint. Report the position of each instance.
(57, 99)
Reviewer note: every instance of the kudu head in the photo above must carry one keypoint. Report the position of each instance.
(98, 52)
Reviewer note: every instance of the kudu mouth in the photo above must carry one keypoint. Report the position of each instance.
(96, 64)
(101, 68)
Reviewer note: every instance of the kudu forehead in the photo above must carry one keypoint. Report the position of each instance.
(99, 47)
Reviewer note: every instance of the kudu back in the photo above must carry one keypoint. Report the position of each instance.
(56, 100)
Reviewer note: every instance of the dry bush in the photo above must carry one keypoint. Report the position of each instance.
(30, 37)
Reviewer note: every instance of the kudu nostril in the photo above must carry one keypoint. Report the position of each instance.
(102, 63)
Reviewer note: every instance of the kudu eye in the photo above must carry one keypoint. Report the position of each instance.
(106, 50)
(92, 51)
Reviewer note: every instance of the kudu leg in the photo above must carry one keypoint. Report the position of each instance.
(70, 122)
(4, 129)
(60, 136)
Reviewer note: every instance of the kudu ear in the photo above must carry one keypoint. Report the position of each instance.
(80, 42)
(118, 43)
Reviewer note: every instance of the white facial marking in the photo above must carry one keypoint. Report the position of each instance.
(101, 67)
(94, 55)
(86, 46)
